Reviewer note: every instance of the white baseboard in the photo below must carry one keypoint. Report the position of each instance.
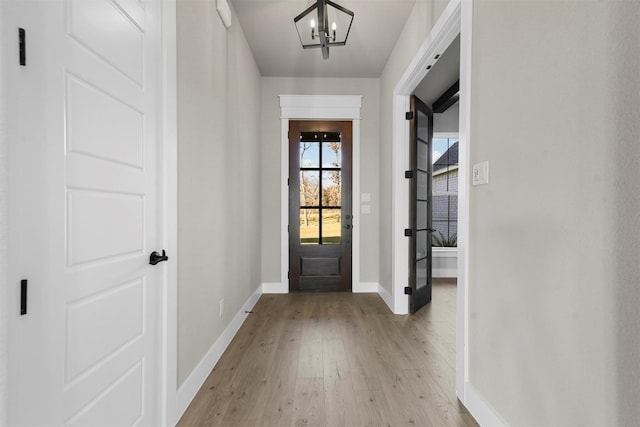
(275, 288)
(445, 272)
(484, 413)
(386, 297)
(190, 387)
(365, 287)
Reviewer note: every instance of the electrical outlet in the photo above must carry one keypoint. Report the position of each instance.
(221, 306)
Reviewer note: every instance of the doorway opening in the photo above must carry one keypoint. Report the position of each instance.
(455, 21)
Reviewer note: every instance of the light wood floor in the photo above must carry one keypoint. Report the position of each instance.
(336, 359)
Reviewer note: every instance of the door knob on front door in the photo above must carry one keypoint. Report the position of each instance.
(155, 257)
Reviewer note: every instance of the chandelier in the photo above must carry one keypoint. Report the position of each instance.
(314, 30)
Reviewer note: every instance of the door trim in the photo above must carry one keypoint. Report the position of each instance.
(168, 164)
(318, 107)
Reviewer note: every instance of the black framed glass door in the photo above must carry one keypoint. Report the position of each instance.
(420, 255)
(320, 219)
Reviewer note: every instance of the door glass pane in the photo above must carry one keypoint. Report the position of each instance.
(309, 188)
(423, 126)
(331, 188)
(421, 244)
(331, 155)
(309, 226)
(309, 154)
(421, 273)
(423, 185)
(423, 156)
(331, 226)
(421, 215)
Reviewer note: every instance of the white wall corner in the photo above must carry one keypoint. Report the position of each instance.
(386, 297)
(365, 287)
(484, 413)
(190, 387)
(275, 288)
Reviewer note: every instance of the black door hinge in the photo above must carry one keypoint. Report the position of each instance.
(408, 174)
(408, 232)
(408, 290)
(287, 181)
(408, 115)
(287, 274)
(23, 297)
(22, 44)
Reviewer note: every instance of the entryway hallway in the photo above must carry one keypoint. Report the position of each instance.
(336, 359)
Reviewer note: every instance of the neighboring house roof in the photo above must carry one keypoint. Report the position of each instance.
(449, 158)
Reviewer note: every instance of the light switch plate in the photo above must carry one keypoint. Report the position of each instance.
(365, 209)
(480, 173)
(366, 197)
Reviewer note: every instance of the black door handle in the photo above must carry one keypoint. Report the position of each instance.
(155, 257)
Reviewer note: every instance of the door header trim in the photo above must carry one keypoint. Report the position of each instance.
(316, 107)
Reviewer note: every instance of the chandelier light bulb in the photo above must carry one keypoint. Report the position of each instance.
(313, 23)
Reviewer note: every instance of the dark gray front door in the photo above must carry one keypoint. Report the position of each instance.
(320, 219)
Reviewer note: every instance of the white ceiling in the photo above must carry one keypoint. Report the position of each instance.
(269, 28)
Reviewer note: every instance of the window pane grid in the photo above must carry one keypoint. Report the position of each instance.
(320, 187)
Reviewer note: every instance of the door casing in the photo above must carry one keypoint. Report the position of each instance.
(457, 18)
(318, 107)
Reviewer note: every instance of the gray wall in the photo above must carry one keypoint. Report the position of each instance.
(422, 18)
(555, 236)
(218, 177)
(271, 146)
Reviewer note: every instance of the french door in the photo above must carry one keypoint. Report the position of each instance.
(420, 261)
(320, 218)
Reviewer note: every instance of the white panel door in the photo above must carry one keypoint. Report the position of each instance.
(85, 213)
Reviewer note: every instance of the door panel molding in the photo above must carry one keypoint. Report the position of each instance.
(318, 107)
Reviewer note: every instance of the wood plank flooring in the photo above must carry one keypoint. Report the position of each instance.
(336, 359)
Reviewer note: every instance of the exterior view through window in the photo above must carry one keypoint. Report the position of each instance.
(320, 188)
(445, 192)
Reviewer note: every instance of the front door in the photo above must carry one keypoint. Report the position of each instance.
(320, 219)
(420, 205)
(85, 213)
